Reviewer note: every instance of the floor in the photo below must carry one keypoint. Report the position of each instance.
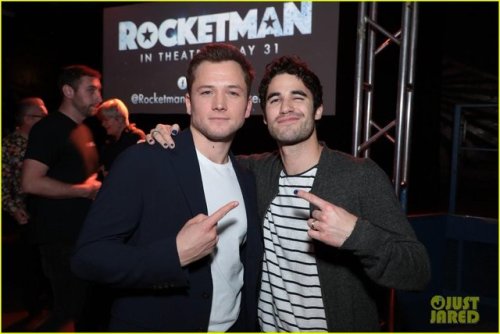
(21, 321)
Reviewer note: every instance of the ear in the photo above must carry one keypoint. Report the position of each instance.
(188, 103)
(264, 118)
(318, 113)
(248, 111)
(68, 91)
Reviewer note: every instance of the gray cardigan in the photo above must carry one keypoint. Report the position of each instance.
(382, 250)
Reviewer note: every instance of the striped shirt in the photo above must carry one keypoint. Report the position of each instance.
(290, 297)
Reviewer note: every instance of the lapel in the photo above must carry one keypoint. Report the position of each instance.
(186, 168)
(248, 192)
(240, 176)
(320, 188)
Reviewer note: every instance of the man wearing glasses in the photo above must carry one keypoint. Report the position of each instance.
(29, 111)
(15, 218)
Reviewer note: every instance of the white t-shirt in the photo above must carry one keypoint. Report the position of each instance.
(221, 186)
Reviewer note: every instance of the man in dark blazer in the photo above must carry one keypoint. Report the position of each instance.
(183, 259)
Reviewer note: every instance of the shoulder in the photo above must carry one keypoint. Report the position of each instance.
(56, 118)
(142, 162)
(183, 152)
(260, 157)
(339, 162)
(259, 160)
(54, 124)
(142, 151)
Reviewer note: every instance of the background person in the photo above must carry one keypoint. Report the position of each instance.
(113, 115)
(29, 111)
(21, 258)
(59, 173)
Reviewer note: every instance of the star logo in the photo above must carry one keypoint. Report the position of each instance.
(269, 23)
(147, 35)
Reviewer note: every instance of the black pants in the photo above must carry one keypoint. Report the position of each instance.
(24, 283)
(69, 293)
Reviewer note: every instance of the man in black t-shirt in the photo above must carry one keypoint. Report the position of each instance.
(60, 174)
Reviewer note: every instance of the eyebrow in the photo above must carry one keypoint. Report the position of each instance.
(92, 86)
(294, 92)
(299, 92)
(272, 95)
(213, 86)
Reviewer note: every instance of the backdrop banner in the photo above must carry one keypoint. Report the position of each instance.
(147, 47)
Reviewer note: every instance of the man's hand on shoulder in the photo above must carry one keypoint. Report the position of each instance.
(163, 134)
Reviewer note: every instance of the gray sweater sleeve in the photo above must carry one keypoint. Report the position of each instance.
(383, 239)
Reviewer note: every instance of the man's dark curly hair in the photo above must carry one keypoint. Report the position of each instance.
(295, 66)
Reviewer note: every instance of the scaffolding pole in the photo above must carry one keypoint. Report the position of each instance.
(365, 87)
(364, 91)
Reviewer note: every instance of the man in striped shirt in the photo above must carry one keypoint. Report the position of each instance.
(334, 232)
(325, 254)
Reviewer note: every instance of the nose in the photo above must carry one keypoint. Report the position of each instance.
(219, 103)
(286, 106)
(98, 97)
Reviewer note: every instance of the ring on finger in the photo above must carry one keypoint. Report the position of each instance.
(312, 225)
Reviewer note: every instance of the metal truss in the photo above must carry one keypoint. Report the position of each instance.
(363, 136)
(366, 52)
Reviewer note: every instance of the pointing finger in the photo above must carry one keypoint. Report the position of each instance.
(311, 198)
(221, 212)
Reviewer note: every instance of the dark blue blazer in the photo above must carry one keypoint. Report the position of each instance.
(128, 241)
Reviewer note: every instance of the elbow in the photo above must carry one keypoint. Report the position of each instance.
(27, 186)
(424, 278)
(424, 270)
(89, 263)
(426, 275)
(420, 276)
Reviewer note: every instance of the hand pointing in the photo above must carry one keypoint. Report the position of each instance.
(329, 224)
(198, 237)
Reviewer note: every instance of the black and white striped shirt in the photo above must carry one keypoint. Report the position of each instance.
(290, 297)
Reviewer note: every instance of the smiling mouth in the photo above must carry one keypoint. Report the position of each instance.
(287, 119)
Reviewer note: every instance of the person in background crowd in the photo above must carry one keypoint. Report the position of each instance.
(60, 175)
(113, 115)
(22, 258)
(334, 232)
(30, 110)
